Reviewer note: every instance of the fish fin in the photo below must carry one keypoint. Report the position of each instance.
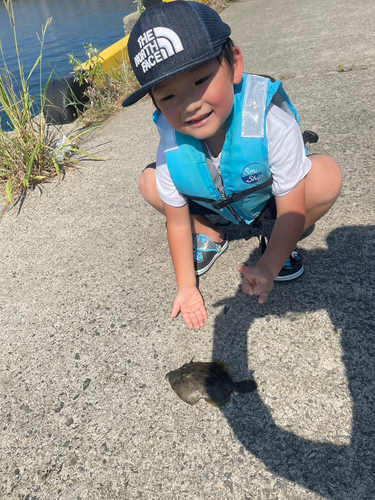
(245, 386)
(213, 403)
(218, 404)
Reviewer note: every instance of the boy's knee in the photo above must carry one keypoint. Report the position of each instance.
(142, 184)
(336, 177)
(147, 182)
(327, 176)
(333, 181)
(147, 188)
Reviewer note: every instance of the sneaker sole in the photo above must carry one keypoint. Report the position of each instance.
(205, 269)
(291, 276)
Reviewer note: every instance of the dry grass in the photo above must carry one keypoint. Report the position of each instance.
(105, 94)
(219, 5)
(32, 152)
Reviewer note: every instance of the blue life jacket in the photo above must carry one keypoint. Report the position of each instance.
(245, 184)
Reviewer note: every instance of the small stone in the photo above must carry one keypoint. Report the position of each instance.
(86, 383)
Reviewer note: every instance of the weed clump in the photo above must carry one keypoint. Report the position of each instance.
(30, 152)
(104, 92)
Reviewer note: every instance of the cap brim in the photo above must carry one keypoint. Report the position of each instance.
(138, 94)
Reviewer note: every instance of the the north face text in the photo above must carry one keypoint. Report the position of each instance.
(156, 45)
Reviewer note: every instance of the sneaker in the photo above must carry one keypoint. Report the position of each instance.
(206, 252)
(292, 269)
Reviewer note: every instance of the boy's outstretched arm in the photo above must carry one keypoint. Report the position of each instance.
(188, 298)
(289, 225)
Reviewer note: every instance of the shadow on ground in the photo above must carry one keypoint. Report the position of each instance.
(340, 280)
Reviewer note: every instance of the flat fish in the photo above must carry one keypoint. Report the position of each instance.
(208, 380)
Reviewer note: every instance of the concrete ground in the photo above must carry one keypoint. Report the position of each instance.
(87, 287)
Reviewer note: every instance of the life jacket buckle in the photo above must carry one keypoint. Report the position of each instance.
(220, 204)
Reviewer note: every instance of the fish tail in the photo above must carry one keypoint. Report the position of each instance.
(245, 386)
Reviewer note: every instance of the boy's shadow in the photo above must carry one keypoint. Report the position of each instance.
(340, 280)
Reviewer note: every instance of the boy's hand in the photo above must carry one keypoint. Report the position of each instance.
(257, 280)
(190, 302)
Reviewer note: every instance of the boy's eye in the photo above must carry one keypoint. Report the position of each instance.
(201, 80)
(168, 97)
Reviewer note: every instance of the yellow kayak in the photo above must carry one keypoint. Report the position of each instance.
(112, 57)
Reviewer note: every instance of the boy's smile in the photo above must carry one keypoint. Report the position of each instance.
(199, 121)
(199, 101)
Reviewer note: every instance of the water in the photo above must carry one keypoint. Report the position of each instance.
(75, 23)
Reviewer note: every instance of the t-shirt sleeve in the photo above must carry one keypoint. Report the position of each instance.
(164, 184)
(286, 151)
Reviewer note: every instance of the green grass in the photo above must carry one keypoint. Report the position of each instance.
(28, 153)
(105, 93)
(32, 152)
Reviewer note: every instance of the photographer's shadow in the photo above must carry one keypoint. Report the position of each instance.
(344, 288)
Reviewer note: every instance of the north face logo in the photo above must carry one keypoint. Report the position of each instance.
(156, 45)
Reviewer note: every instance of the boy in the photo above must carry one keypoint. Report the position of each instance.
(230, 142)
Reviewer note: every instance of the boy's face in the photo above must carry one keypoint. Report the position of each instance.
(199, 101)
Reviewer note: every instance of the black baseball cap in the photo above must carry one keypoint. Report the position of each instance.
(170, 38)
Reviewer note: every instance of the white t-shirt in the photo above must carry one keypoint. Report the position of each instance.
(286, 153)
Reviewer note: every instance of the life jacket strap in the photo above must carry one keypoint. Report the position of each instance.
(233, 198)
